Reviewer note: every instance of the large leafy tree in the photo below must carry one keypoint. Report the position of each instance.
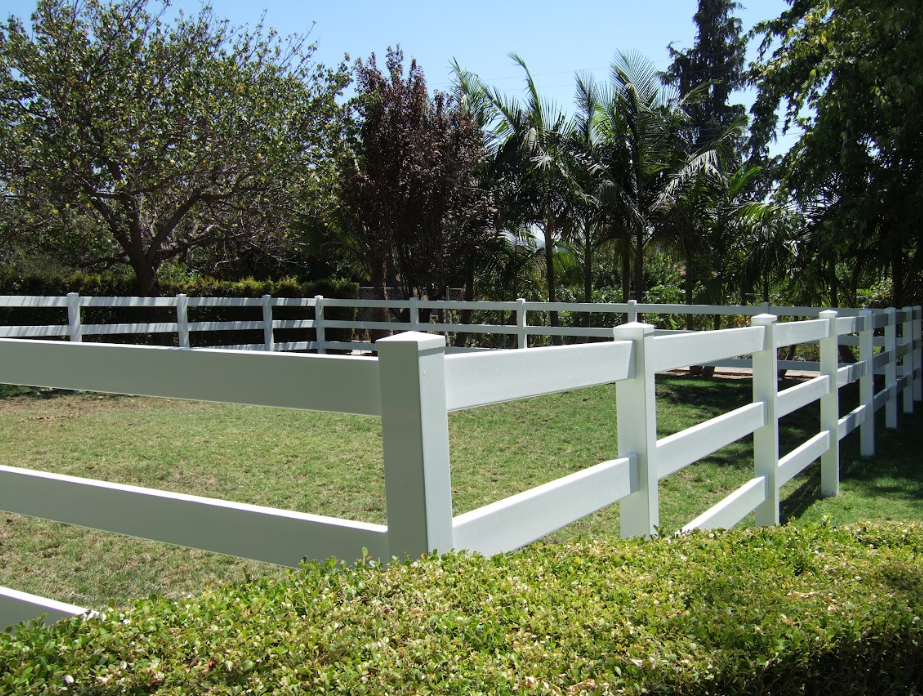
(410, 207)
(707, 75)
(849, 73)
(168, 136)
(715, 67)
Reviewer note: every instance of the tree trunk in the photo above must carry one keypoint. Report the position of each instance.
(639, 264)
(379, 313)
(549, 272)
(626, 274)
(897, 277)
(690, 283)
(587, 283)
(147, 285)
(462, 338)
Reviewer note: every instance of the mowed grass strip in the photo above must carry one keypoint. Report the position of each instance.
(332, 465)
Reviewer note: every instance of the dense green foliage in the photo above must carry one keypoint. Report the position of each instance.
(784, 610)
(150, 140)
(409, 210)
(715, 64)
(193, 147)
(847, 73)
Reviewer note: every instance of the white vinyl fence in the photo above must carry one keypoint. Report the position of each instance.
(511, 319)
(413, 384)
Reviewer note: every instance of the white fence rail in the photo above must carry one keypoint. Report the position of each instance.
(403, 315)
(413, 385)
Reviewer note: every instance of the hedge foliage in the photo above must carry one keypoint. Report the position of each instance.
(787, 610)
(123, 286)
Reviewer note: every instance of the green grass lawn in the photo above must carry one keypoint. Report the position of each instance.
(332, 465)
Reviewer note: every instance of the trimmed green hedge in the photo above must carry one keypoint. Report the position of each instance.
(122, 286)
(787, 610)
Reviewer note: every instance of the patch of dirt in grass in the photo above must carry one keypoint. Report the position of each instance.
(62, 405)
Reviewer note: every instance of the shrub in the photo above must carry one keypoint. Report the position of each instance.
(783, 610)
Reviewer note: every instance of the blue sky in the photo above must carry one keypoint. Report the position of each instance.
(556, 40)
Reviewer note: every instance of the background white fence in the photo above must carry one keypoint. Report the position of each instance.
(512, 320)
(413, 384)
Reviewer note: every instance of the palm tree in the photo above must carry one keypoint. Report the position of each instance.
(533, 164)
(639, 121)
(589, 231)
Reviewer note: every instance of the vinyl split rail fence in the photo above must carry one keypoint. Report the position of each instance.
(512, 319)
(413, 384)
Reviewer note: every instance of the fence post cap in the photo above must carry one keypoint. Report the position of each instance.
(764, 319)
(632, 329)
(424, 341)
(828, 314)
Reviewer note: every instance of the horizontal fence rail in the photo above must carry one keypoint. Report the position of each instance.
(413, 383)
(514, 324)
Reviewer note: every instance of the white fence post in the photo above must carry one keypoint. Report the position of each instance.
(766, 439)
(891, 368)
(182, 320)
(415, 438)
(632, 311)
(320, 333)
(867, 385)
(267, 323)
(521, 334)
(74, 326)
(637, 434)
(907, 360)
(414, 318)
(830, 408)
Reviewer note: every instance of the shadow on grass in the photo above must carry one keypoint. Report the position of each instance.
(895, 472)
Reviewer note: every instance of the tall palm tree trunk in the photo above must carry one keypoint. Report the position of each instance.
(549, 273)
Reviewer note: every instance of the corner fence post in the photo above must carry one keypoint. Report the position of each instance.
(521, 334)
(907, 360)
(182, 320)
(867, 384)
(415, 438)
(74, 325)
(891, 368)
(830, 408)
(637, 434)
(320, 332)
(917, 348)
(766, 438)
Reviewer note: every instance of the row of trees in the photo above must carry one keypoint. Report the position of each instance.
(199, 147)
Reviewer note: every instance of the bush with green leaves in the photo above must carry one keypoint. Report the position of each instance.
(783, 610)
